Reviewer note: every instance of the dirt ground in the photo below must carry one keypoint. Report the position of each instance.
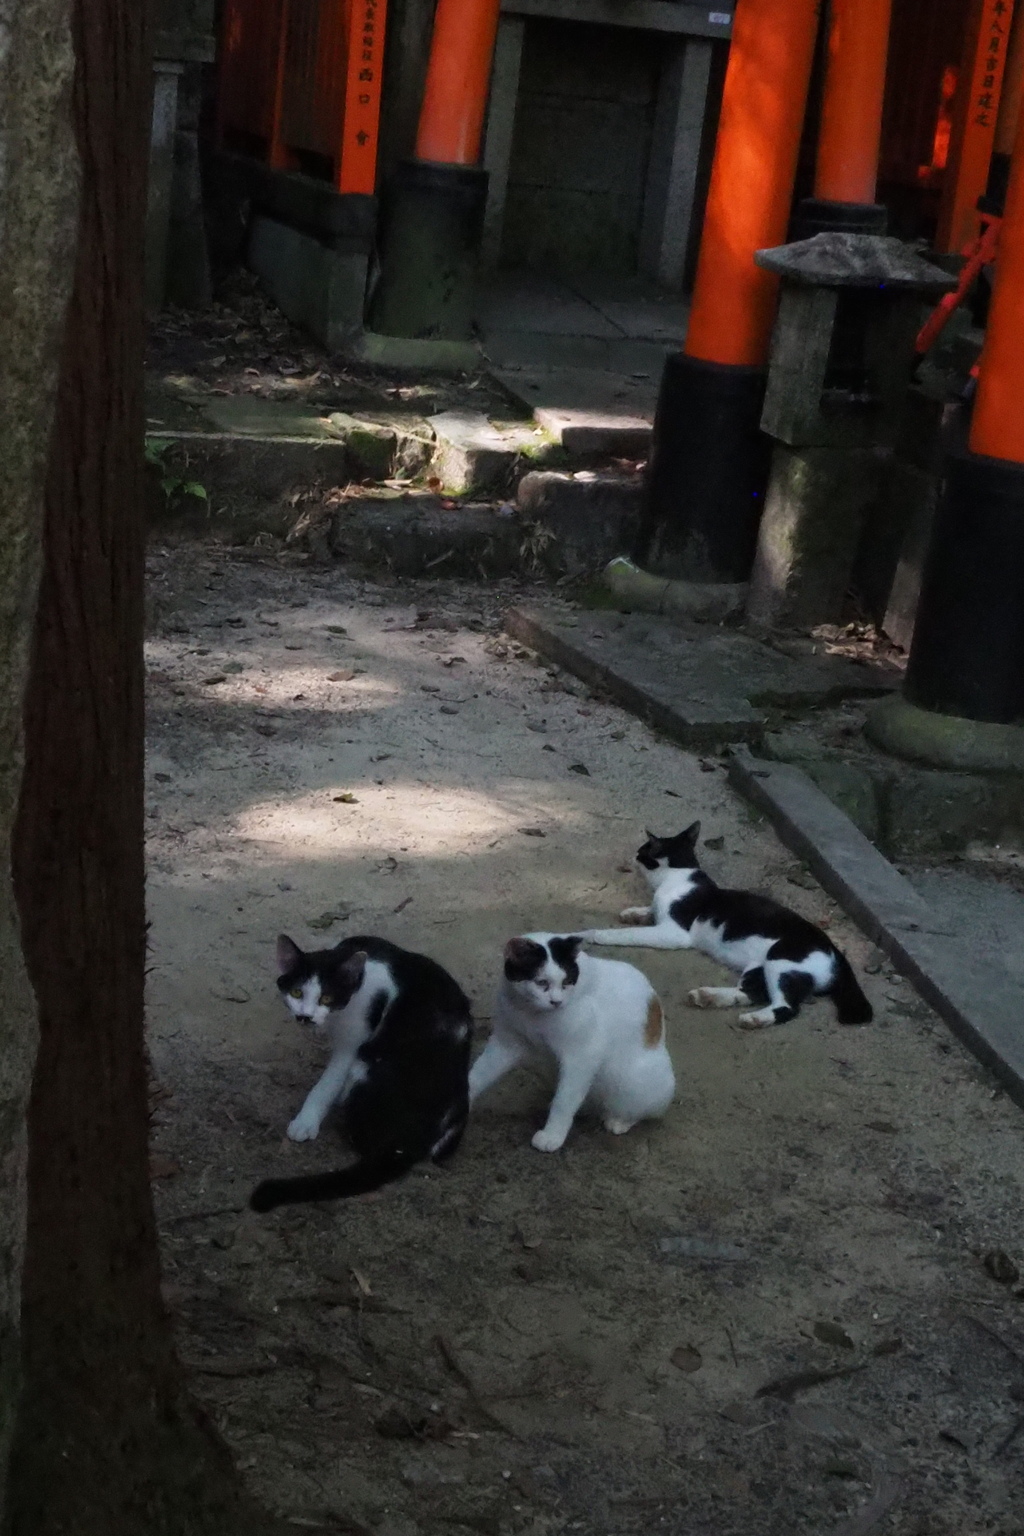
(525, 1343)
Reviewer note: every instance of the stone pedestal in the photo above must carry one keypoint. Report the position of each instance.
(817, 502)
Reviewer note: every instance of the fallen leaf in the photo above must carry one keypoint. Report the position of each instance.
(341, 677)
(334, 629)
(786, 1387)
(402, 905)
(674, 793)
(532, 832)
(217, 677)
(449, 709)
(714, 843)
(686, 1358)
(1001, 1267)
(328, 919)
(580, 768)
(361, 1281)
(618, 735)
(230, 992)
(701, 1248)
(833, 1334)
(348, 798)
(883, 1127)
(161, 1167)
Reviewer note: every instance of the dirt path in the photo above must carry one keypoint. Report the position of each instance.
(530, 1344)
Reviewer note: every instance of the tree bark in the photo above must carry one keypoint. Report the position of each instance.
(107, 1443)
(38, 192)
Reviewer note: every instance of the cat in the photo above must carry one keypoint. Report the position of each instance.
(401, 1033)
(782, 959)
(600, 1019)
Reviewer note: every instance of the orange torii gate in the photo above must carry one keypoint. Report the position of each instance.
(299, 86)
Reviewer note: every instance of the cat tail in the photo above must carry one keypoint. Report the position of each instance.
(361, 1178)
(852, 1007)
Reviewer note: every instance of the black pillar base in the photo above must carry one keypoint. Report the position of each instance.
(967, 655)
(707, 472)
(430, 229)
(818, 216)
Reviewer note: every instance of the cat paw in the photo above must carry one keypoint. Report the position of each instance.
(619, 1127)
(548, 1141)
(700, 997)
(635, 917)
(759, 1020)
(304, 1127)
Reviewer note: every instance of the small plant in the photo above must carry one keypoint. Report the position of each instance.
(173, 486)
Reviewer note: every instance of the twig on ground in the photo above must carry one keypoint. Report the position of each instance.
(461, 1375)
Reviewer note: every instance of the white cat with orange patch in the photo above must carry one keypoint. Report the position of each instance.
(600, 1019)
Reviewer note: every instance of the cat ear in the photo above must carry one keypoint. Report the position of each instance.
(523, 959)
(692, 833)
(520, 951)
(288, 953)
(575, 942)
(652, 837)
(353, 969)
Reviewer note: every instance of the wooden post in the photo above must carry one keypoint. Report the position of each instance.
(975, 113)
(851, 119)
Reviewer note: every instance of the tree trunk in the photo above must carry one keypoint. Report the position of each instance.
(107, 1442)
(38, 190)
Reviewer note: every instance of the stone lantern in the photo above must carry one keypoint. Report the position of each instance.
(842, 353)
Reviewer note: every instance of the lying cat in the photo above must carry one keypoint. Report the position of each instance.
(401, 1031)
(782, 959)
(600, 1019)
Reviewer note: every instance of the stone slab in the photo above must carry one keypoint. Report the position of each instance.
(589, 410)
(413, 352)
(317, 287)
(592, 520)
(473, 455)
(974, 994)
(703, 687)
(597, 432)
(416, 536)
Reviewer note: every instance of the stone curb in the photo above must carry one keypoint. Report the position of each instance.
(980, 1002)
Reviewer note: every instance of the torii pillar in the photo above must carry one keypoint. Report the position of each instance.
(846, 173)
(963, 699)
(432, 216)
(709, 460)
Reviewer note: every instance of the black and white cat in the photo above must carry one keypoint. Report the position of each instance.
(401, 1031)
(782, 959)
(600, 1019)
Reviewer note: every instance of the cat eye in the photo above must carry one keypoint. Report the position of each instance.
(545, 986)
(325, 1001)
(295, 992)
